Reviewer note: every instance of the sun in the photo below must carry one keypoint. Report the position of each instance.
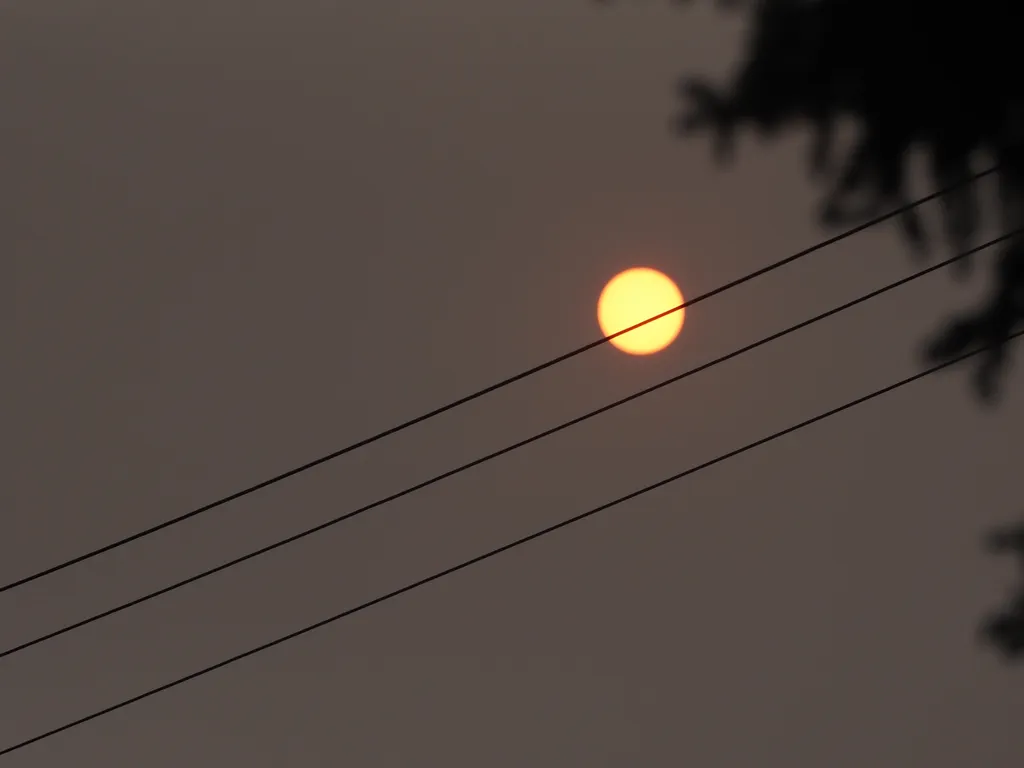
(634, 296)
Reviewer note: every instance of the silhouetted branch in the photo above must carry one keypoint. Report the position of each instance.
(943, 78)
(1005, 630)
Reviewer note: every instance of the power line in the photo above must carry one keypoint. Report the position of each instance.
(507, 449)
(499, 550)
(493, 387)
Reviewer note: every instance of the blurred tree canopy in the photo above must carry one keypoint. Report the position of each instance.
(1005, 629)
(938, 80)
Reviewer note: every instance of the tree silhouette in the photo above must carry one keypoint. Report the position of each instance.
(1005, 629)
(941, 79)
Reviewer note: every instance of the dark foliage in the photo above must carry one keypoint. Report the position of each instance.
(1005, 629)
(942, 80)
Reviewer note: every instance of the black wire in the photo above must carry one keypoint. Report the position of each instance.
(494, 552)
(507, 449)
(487, 390)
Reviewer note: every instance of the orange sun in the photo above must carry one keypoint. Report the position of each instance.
(634, 296)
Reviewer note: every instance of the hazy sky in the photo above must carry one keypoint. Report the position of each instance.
(248, 233)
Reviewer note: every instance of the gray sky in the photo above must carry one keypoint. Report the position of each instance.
(246, 234)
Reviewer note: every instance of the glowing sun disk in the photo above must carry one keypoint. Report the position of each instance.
(634, 296)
